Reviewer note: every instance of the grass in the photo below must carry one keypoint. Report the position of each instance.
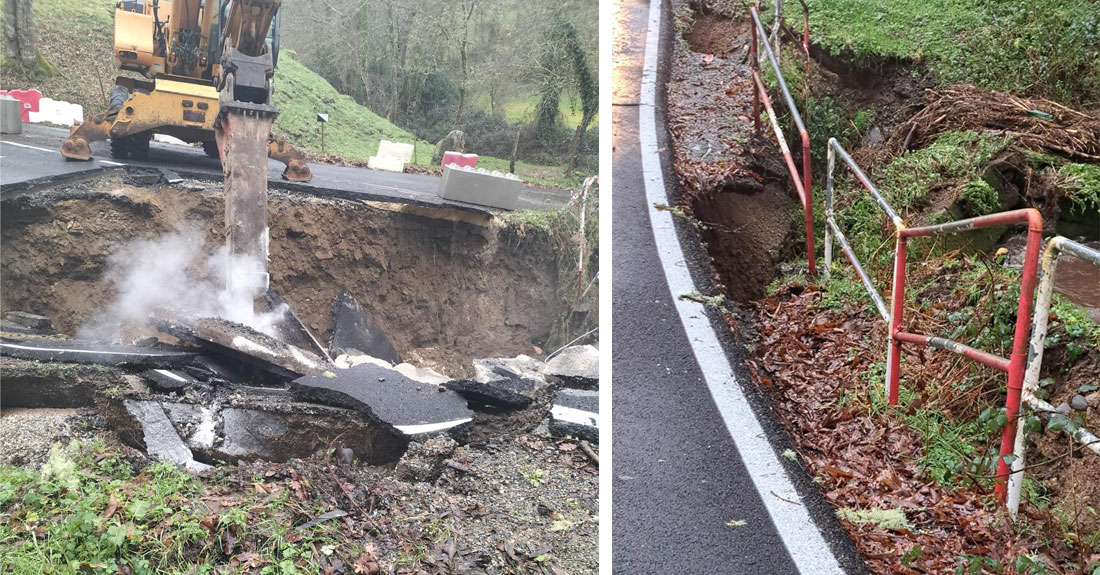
(76, 41)
(1050, 49)
(911, 183)
(86, 511)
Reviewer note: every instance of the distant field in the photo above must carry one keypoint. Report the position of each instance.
(523, 109)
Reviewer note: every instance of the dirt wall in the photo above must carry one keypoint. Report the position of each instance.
(443, 285)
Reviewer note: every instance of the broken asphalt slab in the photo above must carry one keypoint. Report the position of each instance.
(245, 344)
(576, 412)
(290, 328)
(577, 366)
(352, 329)
(412, 407)
(84, 352)
(168, 381)
(159, 437)
(504, 382)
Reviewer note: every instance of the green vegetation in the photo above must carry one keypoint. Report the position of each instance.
(85, 511)
(948, 171)
(1019, 46)
(352, 133)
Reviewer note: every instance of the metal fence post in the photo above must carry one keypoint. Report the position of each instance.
(830, 165)
(893, 354)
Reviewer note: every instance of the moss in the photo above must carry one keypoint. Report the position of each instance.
(889, 519)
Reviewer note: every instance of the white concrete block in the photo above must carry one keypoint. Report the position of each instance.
(57, 112)
(478, 186)
(389, 149)
(166, 139)
(386, 163)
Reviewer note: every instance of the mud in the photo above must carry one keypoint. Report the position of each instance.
(444, 286)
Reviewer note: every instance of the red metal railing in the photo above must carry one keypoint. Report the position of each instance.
(1014, 366)
(802, 183)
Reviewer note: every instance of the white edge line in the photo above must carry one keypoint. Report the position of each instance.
(574, 415)
(31, 147)
(88, 351)
(430, 427)
(804, 541)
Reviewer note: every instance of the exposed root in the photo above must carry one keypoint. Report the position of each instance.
(1035, 124)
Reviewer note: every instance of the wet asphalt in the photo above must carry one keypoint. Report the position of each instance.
(678, 479)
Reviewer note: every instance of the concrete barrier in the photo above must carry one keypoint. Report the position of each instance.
(391, 156)
(57, 112)
(10, 122)
(478, 186)
(463, 160)
(29, 98)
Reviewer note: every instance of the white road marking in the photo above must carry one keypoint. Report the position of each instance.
(87, 351)
(30, 146)
(430, 427)
(110, 163)
(574, 415)
(804, 541)
(167, 373)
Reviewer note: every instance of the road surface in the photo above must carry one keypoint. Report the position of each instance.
(689, 494)
(33, 155)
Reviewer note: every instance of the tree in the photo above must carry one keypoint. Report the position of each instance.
(589, 88)
(19, 31)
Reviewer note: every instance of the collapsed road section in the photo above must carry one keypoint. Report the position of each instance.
(126, 279)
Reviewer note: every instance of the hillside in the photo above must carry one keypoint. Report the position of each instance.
(76, 38)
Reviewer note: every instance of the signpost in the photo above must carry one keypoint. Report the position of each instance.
(323, 119)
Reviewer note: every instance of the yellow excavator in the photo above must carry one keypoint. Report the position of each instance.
(209, 65)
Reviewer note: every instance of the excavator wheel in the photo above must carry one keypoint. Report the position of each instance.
(211, 149)
(120, 148)
(139, 145)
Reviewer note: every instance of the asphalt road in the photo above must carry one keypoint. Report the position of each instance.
(33, 154)
(680, 486)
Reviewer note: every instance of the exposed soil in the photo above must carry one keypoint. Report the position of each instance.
(732, 182)
(444, 286)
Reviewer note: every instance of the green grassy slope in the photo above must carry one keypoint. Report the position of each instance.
(353, 131)
(1050, 49)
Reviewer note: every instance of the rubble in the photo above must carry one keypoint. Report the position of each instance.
(504, 382)
(424, 461)
(576, 412)
(28, 321)
(354, 333)
(577, 366)
(158, 436)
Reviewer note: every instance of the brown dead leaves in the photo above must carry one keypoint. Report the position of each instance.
(807, 360)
